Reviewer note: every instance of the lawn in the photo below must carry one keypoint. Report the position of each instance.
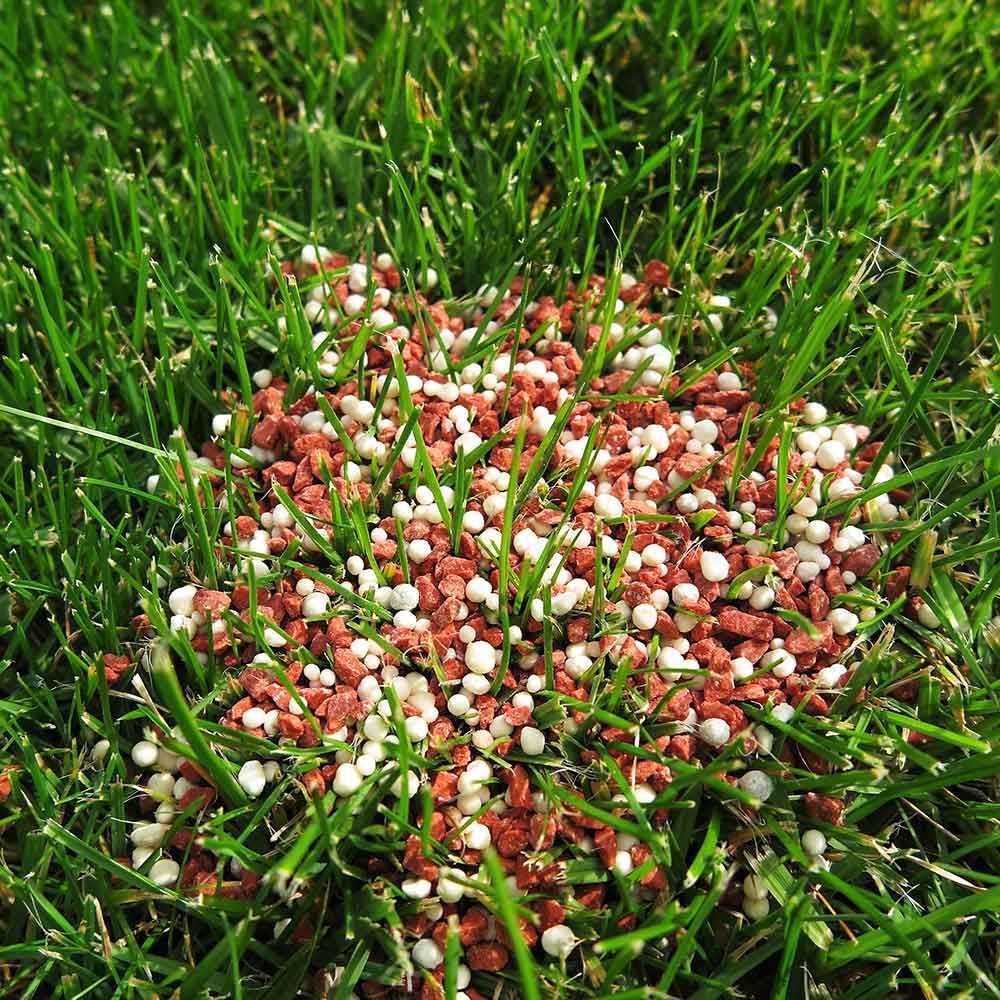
(836, 163)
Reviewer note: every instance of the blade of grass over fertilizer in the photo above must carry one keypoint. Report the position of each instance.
(170, 690)
(507, 909)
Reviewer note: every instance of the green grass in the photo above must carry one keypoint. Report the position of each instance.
(838, 162)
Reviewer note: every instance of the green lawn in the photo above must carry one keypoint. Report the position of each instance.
(836, 162)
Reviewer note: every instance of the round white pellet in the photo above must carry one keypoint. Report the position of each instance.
(140, 855)
(783, 712)
(644, 616)
(927, 618)
(416, 888)
(469, 804)
(475, 774)
(765, 741)
(814, 843)
(846, 435)
(500, 728)
(252, 778)
(687, 503)
(165, 872)
(480, 657)
(608, 506)
(807, 570)
(315, 604)
(757, 784)
(448, 890)
(477, 836)
(624, 863)
(844, 622)
(781, 662)
(418, 550)
(412, 785)
(830, 454)
(714, 566)
(274, 638)
(404, 597)
(705, 431)
(715, 732)
(558, 941)
(427, 954)
(756, 909)
(366, 764)
(654, 555)
(149, 834)
(253, 718)
(160, 785)
(181, 600)
(459, 705)
(814, 413)
(478, 589)
(475, 684)
(829, 676)
(817, 532)
(347, 780)
(532, 740)
(416, 728)
(145, 754)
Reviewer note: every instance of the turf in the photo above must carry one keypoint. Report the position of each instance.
(837, 162)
